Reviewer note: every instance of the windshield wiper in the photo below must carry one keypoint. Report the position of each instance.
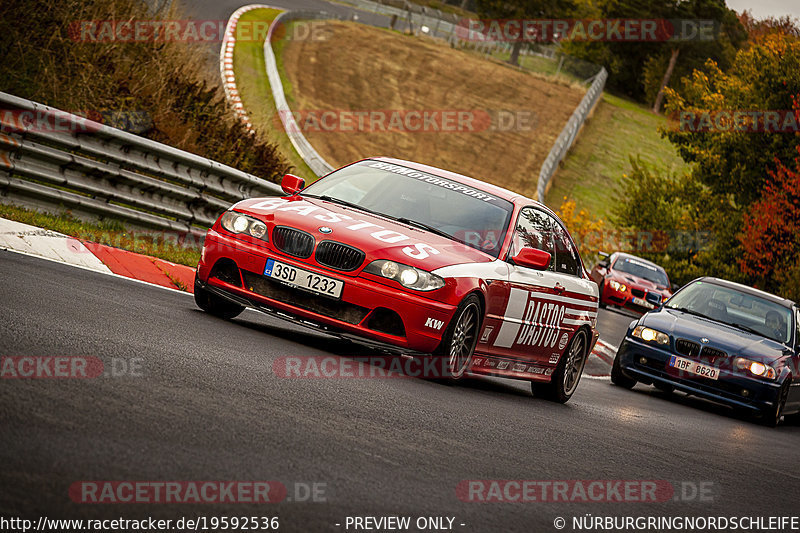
(690, 311)
(345, 203)
(408, 221)
(750, 330)
(426, 227)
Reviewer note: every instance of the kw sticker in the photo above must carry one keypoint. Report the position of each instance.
(435, 324)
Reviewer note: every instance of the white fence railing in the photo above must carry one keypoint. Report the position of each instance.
(568, 134)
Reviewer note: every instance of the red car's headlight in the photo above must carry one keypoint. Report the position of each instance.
(407, 276)
(239, 223)
(617, 286)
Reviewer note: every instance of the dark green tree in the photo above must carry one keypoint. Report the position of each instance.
(525, 9)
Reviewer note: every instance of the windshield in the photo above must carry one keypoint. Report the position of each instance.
(470, 216)
(640, 269)
(736, 308)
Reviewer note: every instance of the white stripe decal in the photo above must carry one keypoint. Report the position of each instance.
(565, 299)
(517, 301)
(572, 322)
(581, 312)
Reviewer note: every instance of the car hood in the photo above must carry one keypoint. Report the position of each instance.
(630, 279)
(733, 340)
(379, 237)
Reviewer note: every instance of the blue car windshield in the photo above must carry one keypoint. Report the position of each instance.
(465, 214)
(736, 308)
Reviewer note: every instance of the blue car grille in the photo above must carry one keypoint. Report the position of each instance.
(713, 352)
(687, 348)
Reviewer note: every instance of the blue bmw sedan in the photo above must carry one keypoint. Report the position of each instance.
(722, 341)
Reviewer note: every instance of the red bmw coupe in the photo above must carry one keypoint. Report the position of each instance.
(414, 260)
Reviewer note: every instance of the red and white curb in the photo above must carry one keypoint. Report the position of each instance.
(226, 64)
(598, 366)
(39, 242)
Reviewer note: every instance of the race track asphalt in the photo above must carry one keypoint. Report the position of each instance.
(205, 404)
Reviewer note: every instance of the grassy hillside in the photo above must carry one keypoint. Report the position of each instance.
(601, 155)
(361, 68)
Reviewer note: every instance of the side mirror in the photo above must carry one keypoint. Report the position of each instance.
(292, 184)
(653, 298)
(602, 264)
(532, 258)
(604, 255)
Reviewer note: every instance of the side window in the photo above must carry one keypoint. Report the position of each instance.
(535, 230)
(797, 327)
(567, 259)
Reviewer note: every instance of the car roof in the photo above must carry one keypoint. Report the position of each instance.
(631, 256)
(500, 192)
(748, 290)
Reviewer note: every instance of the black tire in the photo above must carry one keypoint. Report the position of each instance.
(213, 304)
(666, 388)
(772, 417)
(568, 372)
(600, 301)
(792, 420)
(460, 339)
(618, 378)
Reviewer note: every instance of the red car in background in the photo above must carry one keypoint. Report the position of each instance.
(630, 282)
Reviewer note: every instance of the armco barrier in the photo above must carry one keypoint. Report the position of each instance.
(102, 171)
(568, 134)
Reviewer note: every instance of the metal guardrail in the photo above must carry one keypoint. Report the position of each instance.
(316, 163)
(568, 134)
(102, 171)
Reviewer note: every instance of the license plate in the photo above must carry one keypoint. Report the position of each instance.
(693, 367)
(303, 279)
(643, 303)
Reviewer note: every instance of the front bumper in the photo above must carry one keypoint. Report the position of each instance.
(728, 389)
(352, 316)
(624, 300)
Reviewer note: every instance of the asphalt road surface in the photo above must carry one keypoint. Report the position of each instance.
(205, 404)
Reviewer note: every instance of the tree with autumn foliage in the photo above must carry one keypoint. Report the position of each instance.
(771, 237)
(739, 178)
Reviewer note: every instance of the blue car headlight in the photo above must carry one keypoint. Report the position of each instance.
(650, 335)
(755, 368)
